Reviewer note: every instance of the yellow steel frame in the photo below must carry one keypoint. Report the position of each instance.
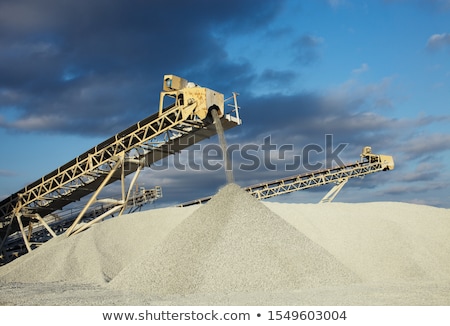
(373, 163)
(105, 163)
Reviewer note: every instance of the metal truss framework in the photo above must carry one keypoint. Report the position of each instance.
(339, 175)
(154, 138)
(57, 223)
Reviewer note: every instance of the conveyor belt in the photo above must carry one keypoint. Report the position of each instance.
(370, 164)
(172, 129)
(157, 153)
(15, 247)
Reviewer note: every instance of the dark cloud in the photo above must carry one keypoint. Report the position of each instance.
(272, 34)
(93, 68)
(64, 64)
(276, 78)
(402, 190)
(309, 116)
(423, 173)
(426, 145)
(307, 48)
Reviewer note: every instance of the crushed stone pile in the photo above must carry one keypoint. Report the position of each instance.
(98, 254)
(233, 244)
(239, 251)
(385, 242)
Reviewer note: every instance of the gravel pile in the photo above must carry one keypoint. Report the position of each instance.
(386, 242)
(233, 244)
(98, 254)
(236, 250)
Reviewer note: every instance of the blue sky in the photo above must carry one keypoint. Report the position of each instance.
(372, 73)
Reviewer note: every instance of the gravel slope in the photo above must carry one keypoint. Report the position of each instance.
(238, 251)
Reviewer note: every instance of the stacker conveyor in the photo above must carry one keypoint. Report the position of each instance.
(183, 119)
(369, 163)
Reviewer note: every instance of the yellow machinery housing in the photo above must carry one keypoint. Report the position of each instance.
(187, 93)
(183, 119)
(386, 161)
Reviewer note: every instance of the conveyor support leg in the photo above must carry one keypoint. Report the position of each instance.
(334, 191)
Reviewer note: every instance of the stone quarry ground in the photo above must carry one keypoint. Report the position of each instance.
(236, 250)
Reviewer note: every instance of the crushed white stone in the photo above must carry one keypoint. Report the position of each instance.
(238, 251)
(233, 244)
(98, 254)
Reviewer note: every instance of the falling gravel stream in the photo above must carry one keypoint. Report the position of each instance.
(223, 145)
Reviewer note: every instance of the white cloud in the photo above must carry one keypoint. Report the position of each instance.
(35, 122)
(368, 96)
(364, 67)
(438, 41)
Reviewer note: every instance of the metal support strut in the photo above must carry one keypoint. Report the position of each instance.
(328, 198)
(181, 121)
(120, 205)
